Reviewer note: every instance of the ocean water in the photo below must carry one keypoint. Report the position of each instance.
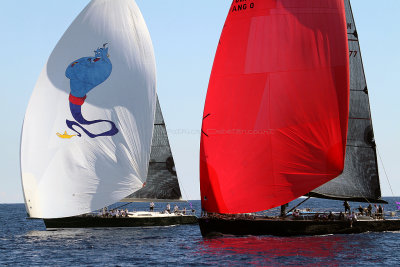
(25, 242)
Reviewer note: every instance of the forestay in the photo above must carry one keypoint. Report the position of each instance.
(276, 113)
(87, 132)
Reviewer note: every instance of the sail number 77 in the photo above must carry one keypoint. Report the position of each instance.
(353, 53)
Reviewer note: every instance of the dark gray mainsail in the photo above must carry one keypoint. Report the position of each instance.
(360, 179)
(162, 181)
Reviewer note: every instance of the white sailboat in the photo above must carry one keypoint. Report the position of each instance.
(88, 129)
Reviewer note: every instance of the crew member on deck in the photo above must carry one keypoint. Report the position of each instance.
(361, 210)
(369, 210)
(352, 218)
(168, 208)
(151, 206)
(346, 207)
(176, 208)
(380, 212)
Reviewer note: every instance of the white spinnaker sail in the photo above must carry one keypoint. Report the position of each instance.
(107, 55)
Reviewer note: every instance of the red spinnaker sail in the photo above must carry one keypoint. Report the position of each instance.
(276, 113)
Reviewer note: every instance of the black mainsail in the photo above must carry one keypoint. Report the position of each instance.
(162, 181)
(360, 179)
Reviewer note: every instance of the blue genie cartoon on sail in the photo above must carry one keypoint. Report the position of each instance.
(85, 74)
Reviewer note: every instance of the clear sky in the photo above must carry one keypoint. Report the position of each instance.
(185, 36)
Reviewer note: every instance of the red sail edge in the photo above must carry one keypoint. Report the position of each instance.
(276, 113)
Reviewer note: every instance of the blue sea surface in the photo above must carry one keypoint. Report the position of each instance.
(25, 242)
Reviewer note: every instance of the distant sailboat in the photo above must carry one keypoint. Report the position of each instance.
(276, 119)
(90, 123)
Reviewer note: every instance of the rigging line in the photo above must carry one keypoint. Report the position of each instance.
(186, 195)
(298, 205)
(182, 189)
(123, 205)
(383, 166)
